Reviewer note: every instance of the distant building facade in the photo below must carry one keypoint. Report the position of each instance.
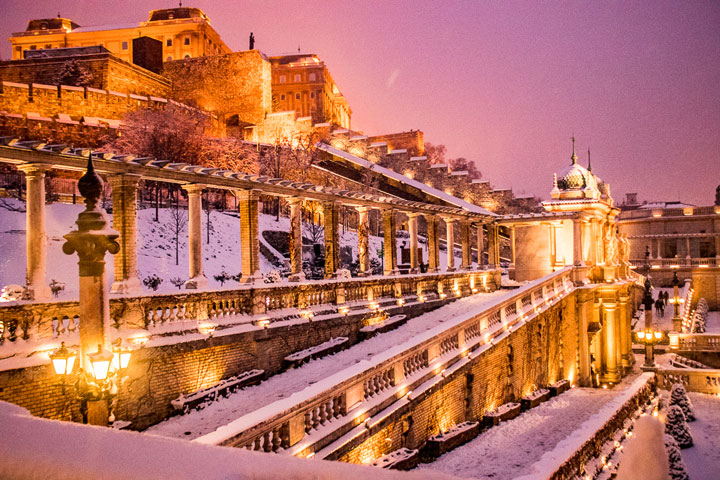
(302, 82)
(184, 33)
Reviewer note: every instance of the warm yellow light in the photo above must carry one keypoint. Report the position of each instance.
(641, 335)
(207, 328)
(63, 360)
(658, 335)
(343, 310)
(443, 295)
(100, 363)
(400, 302)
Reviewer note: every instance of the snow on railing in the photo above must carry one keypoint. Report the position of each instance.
(700, 380)
(27, 327)
(389, 379)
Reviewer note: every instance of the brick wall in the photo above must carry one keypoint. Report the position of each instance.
(108, 72)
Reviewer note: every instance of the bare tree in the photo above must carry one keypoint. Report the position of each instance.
(177, 223)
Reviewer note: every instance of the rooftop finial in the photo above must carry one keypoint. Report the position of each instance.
(573, 157)
(90, 185)
(589, 164)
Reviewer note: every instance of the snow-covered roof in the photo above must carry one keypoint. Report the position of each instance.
(97, 28)
(676, 204)
(430, 191)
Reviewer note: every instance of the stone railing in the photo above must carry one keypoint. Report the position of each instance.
(694, 342)
(26, 327)
(668, 212)
(310, 420)
(676, 262)
(694, 379)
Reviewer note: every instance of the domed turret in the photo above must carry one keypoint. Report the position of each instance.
(575, 181)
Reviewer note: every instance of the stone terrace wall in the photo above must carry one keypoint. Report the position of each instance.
(108, 72)
(233, 84)
(539, 353)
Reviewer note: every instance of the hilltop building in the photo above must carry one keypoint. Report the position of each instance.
(184, 32)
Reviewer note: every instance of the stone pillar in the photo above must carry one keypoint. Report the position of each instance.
(450, 237)
(687, 247)
(584, 311)
(364, 241)
(197, 277)
(91, 240)
(480, 246)
(625, 345)
(35, 238)
(390, 247)
(124, 195)
(413, 229)
(512, 245)
(493, 246)
(465, 240)
(588, 245)
(578, 243)
(249, 243)
(717, 246)
(330, 216)
(610, 374)
(296, 271)
(433, 248)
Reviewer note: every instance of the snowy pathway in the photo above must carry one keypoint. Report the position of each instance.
(509, 450)
(197, 423)
(703, 458)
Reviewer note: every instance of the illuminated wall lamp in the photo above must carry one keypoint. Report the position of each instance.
(100, 363)
(63, 360)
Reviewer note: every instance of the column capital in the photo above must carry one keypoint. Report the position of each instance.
(413, 214)
(449, 220)
(31, 169)
(246, 194)
(609, 306)
(295, 200)
(120, 179)
(194, 188)
(363, 209)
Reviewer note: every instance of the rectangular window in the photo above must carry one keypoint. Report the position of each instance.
(312, 94)
(125, 45)
(282, 78)
(168, 42)
(297, 78)
(48, 46)
(187, 40)
(33, 47)
(297, 96)
(282, 97)
(311, 77)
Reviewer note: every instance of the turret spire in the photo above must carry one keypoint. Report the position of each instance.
(589, 164)
(573, 157)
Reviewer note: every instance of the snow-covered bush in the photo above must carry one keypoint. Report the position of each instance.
(699, 317)
(679, 397)
(152, 282)
(12, 293)
(376, 266)
(178, 282)
(343, 274)
(676, 426)
(273, 276)
(56, 287)
(677, 465)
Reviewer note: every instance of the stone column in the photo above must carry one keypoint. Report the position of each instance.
(609, 329)
(480, 246)
(625, 345)
(588, 245)
(330, 216)
(433, 249)
(584, 311)
(413, 229)
(249, 243)
(578, 243)
(465, 241)
(493, 247)
(717, 246)
(197, 277)
(364, 241)
(687, 247)
(450, 237)
(35, 238)
(389, 247)
(91, 240)
(296, 271)
(124, 195)
(512, 245)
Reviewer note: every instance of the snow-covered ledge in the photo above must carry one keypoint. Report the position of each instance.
(37, 448)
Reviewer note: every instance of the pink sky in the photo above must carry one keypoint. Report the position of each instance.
(504, 84)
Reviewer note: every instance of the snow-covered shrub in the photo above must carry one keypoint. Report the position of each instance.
(676, 426)
(178, 282)
(152, 282)
(376, 266)
(273, 276)
(677, 465)
(56, 287)
(679, 397)
(343, 274)
(12, 293)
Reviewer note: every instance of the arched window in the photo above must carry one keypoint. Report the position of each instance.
(169, 58)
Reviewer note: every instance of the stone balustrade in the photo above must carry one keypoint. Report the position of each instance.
(26, 327)
(695, 342)
(694, 380)
(351, 397)
(676, 262)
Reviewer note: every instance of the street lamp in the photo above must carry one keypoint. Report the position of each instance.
(63, 360)
(649, 337)
(677, 321)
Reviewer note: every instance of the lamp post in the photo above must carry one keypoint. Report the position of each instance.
(677, 321)
(648, 336)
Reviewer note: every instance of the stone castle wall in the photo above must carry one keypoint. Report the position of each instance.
(236, 83)
(107, 72)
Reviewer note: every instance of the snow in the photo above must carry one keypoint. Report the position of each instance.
(310, 376)
(538, 441)
(34, 448)
(645, 452)
(156, 247)
(703, 458)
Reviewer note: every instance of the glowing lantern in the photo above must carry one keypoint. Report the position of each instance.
(63, 360)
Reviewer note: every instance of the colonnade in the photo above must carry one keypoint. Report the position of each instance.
(125, 206)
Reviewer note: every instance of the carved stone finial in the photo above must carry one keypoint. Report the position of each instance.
(90, 185)
(573, 157)
(589, 164)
